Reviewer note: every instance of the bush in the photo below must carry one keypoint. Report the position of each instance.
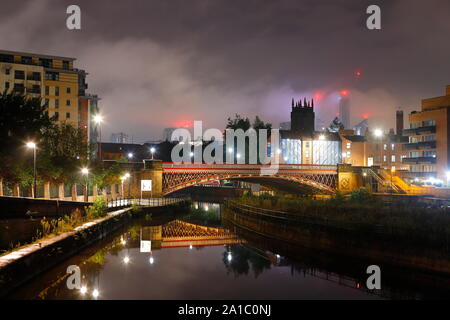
(359, 195)
(97, 209)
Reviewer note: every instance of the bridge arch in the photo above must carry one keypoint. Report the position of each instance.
(177, 177)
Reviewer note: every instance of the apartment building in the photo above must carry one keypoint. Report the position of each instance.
(428, 134)
(53, 79)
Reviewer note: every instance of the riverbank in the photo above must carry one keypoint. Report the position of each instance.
(27, 262)
(349, 231)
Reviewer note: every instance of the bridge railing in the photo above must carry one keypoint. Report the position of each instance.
(233, 166)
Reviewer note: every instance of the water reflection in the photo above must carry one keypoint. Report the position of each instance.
(198, 256)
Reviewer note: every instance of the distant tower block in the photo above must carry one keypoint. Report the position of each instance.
(399, 122)
(344, 111)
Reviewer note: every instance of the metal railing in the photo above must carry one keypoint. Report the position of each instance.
(123, 202)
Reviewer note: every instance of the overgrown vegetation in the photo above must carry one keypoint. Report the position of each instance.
(364, 213)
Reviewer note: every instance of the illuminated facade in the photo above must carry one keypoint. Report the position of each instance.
(428, 133)
(302, 144)
(52, 79)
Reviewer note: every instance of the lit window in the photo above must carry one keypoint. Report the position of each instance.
(392, 147)
(384, 158)
(349, 145)
(385, 146)
(393, 158)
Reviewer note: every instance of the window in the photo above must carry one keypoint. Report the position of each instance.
(47, 90)
(415, 125)
(26, 60)
(392, 158)
(427, 123)
(7, 71)
(370, 161)
(54, 76)
(414, 154)
(18, 87)
(47, 63)
(429, 154)
(67, 115)
(66, 65)
(47, 102)
(348, 154)
(384, 158)
(56, 103)
(429, 138)
(414, 139)
(6, 85)
(392, 146)
(19, 74)
(385, 146)
(428, 168)
(68, 102)
(56, 115)
(56, 91)
(68, 90)
(349, 145)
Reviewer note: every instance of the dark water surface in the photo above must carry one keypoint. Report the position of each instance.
(200, 256)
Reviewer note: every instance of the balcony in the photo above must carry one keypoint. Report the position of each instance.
(420, 130)
(420, 145)
(419, 160)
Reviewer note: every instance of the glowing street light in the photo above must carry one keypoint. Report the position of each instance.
(152, 150)
(322, 137)
(229, 257)
(83, 289)
(130, 155)
(378, 132)
(32, 145)
(126, 260)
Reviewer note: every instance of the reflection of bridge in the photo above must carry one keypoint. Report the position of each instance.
(179, 233)
(179, 176)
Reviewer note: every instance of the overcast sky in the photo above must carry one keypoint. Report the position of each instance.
(162, 63)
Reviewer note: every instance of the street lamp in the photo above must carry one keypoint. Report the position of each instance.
(379, 133)
(152, 150)
(32, 145)
(130, 155)
(85, 172)
(98, 119)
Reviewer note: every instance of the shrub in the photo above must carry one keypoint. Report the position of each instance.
(97, 209)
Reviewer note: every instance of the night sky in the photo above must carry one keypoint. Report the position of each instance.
(163, 63)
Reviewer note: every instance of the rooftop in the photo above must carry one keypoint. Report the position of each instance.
(43, 56)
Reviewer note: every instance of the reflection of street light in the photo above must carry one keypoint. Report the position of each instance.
(32, 145)
(85, 172)
(126, 260)
(95, 293)
(152, 150)
(83, 289)
(151, 260)
(98, 119)
(229, 257)
(230, 150)
(238, 155)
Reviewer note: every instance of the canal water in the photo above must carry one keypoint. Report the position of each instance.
(199, 255)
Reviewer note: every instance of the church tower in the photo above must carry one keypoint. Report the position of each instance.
(302, 117)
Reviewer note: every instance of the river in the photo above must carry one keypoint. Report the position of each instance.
(199, 255)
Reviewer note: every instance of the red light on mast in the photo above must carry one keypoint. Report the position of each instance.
(344, 93)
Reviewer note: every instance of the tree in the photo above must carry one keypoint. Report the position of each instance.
(21, 119)
(238, 123)
(335, 125)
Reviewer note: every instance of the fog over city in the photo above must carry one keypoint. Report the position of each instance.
(167, 63)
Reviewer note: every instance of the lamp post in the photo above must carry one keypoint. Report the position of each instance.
(98, 119)
(85, 172)
(152, 151)
(32, 145)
